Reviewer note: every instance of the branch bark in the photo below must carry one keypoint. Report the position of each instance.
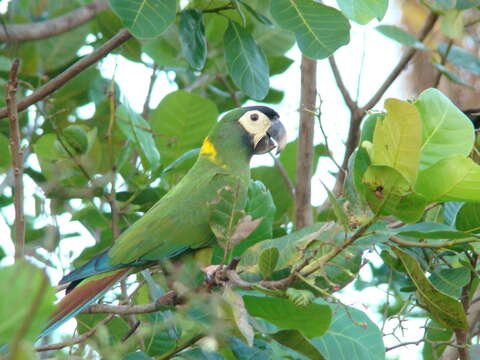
(17, 158)
(303, 187)
(358, 113)
(58, 81)
(45, 29)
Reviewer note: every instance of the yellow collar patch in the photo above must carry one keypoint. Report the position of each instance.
(210, 152)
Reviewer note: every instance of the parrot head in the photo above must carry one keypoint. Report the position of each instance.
(244, 132)
(264, 129)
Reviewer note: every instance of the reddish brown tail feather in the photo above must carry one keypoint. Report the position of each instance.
(83, 294)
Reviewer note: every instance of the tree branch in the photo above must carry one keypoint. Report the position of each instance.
(352, 105)
(356, 116)
(17, 158)
(131, 309)
(75, 340)
(303, 187)
(427, 27)
(45, 29)
(58, 81)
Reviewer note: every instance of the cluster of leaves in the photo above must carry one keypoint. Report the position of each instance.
(413, 164)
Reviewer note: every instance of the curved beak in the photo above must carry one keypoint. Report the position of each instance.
(277, 132)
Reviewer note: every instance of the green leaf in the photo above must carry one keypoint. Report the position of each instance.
(337, 209)
(398, 34)
(296, 341)
(451, 281)
(239, 315)
(225, 215)
(455, 178)
(136, 129)
(389, 193)
(467, 4)
(446, 129)
(268, 261)
(435, 332)
(452, 24)
(443, 308)
(278, 64)
(243, 352)
(31, 295)
(319, 29)
(286, 245)
(273, 40)
(300, 297)
(179, 114)
(451, 75)
(137, 355)
(284, 314)
(397, 138)
(459, 57)
(5, 159)
(432, 230)
(145, 18)
(259, 204)
(259, 16)
(246, 62)
(468, 218)
(192, 38)
(164, 52)
(362, 11)
(362, 337)
(288, 157)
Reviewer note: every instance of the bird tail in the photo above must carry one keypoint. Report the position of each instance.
(83, 295)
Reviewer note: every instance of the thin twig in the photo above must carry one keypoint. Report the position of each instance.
(443, 61)
(75, 69)
(180, 347)
(283, 173)
(75, 340)
(153, 78)
(53, 27)
(397, 70)
(351, 104)
(435, 245)
(17, 158)
(131, 309)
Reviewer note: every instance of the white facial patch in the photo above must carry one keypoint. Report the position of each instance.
(256, 123)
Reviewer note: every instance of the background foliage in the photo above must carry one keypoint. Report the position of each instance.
(411, 193)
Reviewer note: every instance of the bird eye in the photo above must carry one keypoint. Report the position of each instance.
(254, 117)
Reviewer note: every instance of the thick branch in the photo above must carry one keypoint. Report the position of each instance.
(358, 113)
(17, 159)
(49, 28)
(58, 81)
(305, 143)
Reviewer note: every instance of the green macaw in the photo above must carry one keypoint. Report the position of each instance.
(179, 221)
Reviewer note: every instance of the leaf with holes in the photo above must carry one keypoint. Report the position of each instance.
(246, 62)
(443, 308)
(319, 29)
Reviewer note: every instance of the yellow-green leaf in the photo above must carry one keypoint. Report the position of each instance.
(397, 139)
(445, 309)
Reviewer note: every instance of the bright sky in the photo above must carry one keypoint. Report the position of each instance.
(377, 54)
